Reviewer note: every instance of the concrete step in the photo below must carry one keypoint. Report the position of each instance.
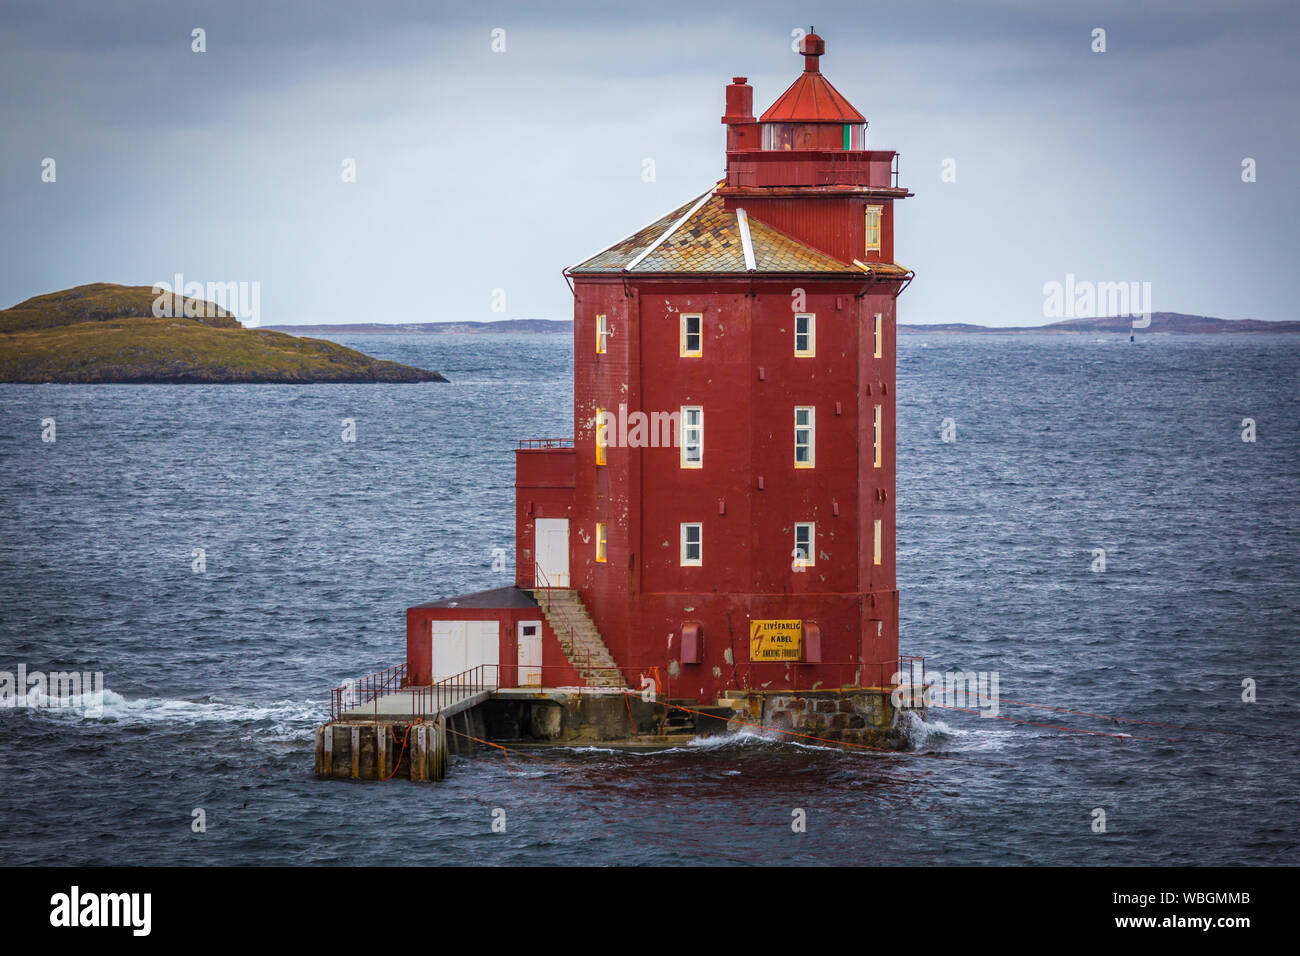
(579, 637)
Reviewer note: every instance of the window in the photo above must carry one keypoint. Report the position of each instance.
(692, 436)
(692, 342)
(873, 228)
(879, 341)
(877, 436)
(805, 540)
(602, 334)
(805, 335)
(876, 559)
(601, 437)
(805, 429)
(600, 541)
(692, 544)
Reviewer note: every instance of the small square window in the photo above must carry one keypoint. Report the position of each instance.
(805, 335)
(692, 544)
(692, 341)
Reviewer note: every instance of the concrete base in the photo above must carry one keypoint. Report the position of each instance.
(525, 718)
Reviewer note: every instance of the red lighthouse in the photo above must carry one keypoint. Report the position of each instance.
(723, 519)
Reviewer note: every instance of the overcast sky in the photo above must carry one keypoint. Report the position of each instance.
(479, 171)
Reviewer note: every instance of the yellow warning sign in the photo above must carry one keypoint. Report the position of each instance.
(775, 640)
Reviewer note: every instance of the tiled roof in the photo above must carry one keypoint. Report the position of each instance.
(709, 241)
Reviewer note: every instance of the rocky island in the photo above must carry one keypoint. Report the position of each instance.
(101, 333)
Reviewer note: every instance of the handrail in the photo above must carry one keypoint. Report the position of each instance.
(432, 699)
(546, 443)
(353, 694)
(548, 587)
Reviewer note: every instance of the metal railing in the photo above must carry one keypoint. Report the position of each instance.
(546, 443)
(353, 694)
(573, 631)
(432, 699)
(427, 700)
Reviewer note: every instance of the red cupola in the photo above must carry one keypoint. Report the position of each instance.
(812, 114)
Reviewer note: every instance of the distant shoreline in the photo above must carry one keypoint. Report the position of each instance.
(503, 327)
(1162, 323)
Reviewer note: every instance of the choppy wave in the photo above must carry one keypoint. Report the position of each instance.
(109, 705)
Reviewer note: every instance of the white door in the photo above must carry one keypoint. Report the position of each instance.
(449, 650)
(552, 547)
(458, 646)
(484, 648)
(530, 653)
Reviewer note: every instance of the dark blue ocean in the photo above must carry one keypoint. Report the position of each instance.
(314, 547)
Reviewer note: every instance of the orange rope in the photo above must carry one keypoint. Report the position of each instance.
(398, 762)
(503, 750)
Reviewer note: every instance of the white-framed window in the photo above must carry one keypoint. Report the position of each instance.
(692, 436)
(602, 334)
(805, 335)
(601, 542)
(805, 544)
(878, 436)
(878, 550)
(873, 228)
(692, 544)
(805, 436)
(601, 437)
(692, 340)
(878, 338)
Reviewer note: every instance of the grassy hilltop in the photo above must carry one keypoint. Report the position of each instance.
(103, 333)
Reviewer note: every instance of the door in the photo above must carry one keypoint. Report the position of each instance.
(552, 547)
(449, 651)
(459, 646)
(530, 654)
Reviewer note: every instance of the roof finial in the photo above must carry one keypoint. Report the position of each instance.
(811, 46)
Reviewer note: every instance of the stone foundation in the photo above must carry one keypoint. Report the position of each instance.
(865, 717)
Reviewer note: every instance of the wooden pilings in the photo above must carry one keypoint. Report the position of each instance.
(365, 751)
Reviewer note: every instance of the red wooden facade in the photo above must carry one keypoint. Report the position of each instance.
(788, 264)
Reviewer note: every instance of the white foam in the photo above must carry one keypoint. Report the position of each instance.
(112, 706)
